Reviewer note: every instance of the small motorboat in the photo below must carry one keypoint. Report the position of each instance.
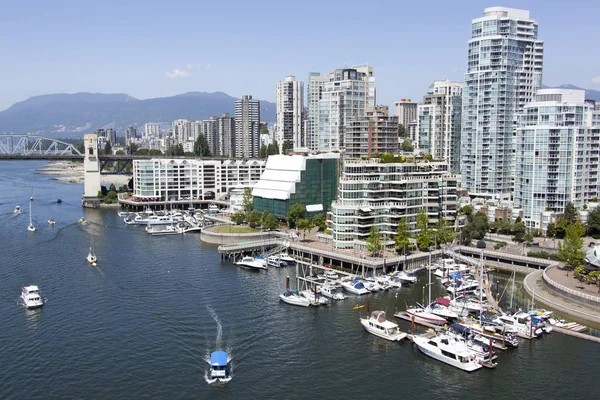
(51, 222)
(91, 258)
(82, 220)
(219, 368)
(332, 292)
(421, 314)
(275, 261)
(292, 297)
(355, 287)
(31, 297)
(317, 300)
(17, 210)
(59, 201)
(378, 325)
(31, 198)
(250, 263)
(287, 258)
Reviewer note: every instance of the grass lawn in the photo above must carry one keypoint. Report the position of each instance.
(234, 229)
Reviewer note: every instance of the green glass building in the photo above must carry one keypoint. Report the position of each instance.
(308, 180)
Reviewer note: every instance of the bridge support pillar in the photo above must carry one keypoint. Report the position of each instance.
(91, 166)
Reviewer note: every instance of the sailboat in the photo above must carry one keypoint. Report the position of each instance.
(30, 228)
(91, 258)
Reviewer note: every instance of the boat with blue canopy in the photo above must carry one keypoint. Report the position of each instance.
(219, 368)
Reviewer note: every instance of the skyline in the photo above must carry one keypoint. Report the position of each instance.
(146, 50)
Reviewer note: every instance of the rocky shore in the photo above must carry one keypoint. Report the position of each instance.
(72, 172)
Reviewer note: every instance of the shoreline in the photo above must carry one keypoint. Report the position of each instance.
(72, 172)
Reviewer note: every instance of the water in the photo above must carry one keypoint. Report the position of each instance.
(142, 324)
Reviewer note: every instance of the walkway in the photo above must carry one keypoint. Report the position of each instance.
(567, 279)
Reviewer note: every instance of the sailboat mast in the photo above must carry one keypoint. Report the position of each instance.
(513, 290)
(481, 289)
(429, 284)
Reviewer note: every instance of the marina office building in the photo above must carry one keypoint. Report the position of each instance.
(179, 179)
(375, 193)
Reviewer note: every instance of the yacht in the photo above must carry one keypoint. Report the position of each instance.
(475, 342)
(392, 281)
(287, 258)
(372, 285)
(378, 325)
(462, 286)
(17, 210)
(468, 304)
(448, 349)
(497, 333)
(292, 297)
(51, 222)
(159, 220)
(519, 323)
(164, 230)
(355, 287)
(422, 314)
(91, 258)
(332, 292)
(31, 297)
(250, 263)
(275, 261)
(404, 276)
(219, 368)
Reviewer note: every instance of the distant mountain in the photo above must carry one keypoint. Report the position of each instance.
(72, 115)
(589, 93)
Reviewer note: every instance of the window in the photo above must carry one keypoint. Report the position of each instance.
(91, 151)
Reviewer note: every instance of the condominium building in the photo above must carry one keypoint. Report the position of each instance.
(290, 105)
(130, 134)
(376, 132)
(183, 131)
(406, 111)
(209, 128)
(247, 127)
(178, 179)
(557, 154)
(439, 121)
(375, 193)
(111, 136)
(314, 93)
(151, 130)
(345, 97)
(505, 60)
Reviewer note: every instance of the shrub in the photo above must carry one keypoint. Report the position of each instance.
(544, 255)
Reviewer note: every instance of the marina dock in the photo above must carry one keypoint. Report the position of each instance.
(579, 335)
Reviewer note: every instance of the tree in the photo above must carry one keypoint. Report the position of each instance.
(561, 228)
(132, 148)
(374, 244)
(263, 151)
(401, 130)
(238, 217)
(465, 210)
(320, 222)
(273, 148)
(107, 148)
(407, 146)
(425, 236)
(593, 221)
(286, 147)
(475, 229)
(81, 147)
(264, 130)
(297, 211)
(445, 234)
(247, 203)
(112, 188)
(551, 230)
(570, 214)
(269, 221)
(304, 225)
(253, 218)
(571, 250)
(110, 197)
(403, 235)
(518, 231)
(120, 153)
(201, 147)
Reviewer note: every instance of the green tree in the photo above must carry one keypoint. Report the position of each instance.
(401, 131)
(81, 148)
(320, 222)
(269, 221)
(264, 130)
(403, 235)
(561, 228)
(201, 148)
(112, 188)
(465, 210)
(407, 146)
(296, 212)
(475, 229)
(132, 148)
(238, 217)
(570, 214)
(593, 221)
(374, 244)
(142, 152)
(571, 250)
(107, 148)
(253, 218)
(263, 151)
(519, 231)
(304, 225)
(110, 197)
(155, 152)
(273, 148)
(445, 234)
(247, 202)
(425, 237)
(286, 147)
(119, 153)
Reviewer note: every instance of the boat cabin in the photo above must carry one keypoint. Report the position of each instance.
(218, 364)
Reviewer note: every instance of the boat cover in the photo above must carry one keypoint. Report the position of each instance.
(378, 315)
(463, 330)
(455, 275)
(443, 301)
(218, 359)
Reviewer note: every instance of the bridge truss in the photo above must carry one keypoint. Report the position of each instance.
(35, 145)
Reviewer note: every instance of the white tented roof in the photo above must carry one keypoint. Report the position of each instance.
(280, 177)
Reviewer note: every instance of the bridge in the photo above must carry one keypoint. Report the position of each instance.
(36, 147)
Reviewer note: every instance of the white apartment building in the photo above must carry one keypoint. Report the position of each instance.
(289, 106)
(439, 122)
(314, 93)
(183, 131)
(151, 130)
(557, 154)
(505, 60)
(247, 127)
(177, 179)
(375, 193)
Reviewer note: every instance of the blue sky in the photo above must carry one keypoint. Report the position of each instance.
(157, 48)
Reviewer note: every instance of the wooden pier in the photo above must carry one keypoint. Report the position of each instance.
(579, 335)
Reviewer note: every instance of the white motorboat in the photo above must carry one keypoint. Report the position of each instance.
(355, 287)
(91, 258)
(17, 210)
(331, 275)
(31, 198)
(332, 292)
(449, 350)
(51, 222)
(475, 343)
(378, 325)
(314, 300)
(440, 308)
(422, 314)
(495, 332)
(250, 263)
(519, 323)
(572, 326)
(219, 368)
(213, 208)
(275, 261)
(159, 220)
(404, 276)
(294, 298)
(31, 297)
(462, 286)
(371, 285)
(467, 303)
(287, 258)
(31, 227)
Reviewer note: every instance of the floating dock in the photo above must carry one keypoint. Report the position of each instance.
(579, 335)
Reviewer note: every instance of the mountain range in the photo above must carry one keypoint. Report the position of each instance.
(72, 115)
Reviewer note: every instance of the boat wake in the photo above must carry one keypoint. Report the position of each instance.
(218, 345)
(214, 315)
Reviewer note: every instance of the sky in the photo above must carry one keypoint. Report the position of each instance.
(156, 48)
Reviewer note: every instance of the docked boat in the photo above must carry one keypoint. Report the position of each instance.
(449, 350)
(332, 292)
(251, 263)
(371, 285)
(51, 222)
(355, 287)
(293, 297)
(464, 303)
(519, 323)
(475, 342)
(31, 297)
(424, 314)
(287, 258)
(497, 333)
(91, 258)
(314, 298)
(404, 277)
(331, 275)
(219, 368)
(572, 326)
(213, 208)
(30, 227)
(275, 261)
(378, 325)
(17, 210)
(440, 308)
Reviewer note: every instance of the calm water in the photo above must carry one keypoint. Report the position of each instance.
(142, 323)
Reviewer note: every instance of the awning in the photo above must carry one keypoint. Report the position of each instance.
(218, 359)
(314, 207)
(365, 209)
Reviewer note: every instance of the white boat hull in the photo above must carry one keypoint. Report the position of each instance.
(295, 300)
(426, 317)
(425, 349)
(377, 332)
